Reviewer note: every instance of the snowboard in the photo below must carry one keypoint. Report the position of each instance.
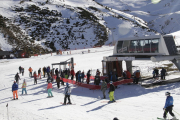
(50, 96)
(67, 104)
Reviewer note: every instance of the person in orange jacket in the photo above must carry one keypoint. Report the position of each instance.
(128, 74)
(30, 71)
(49, 89)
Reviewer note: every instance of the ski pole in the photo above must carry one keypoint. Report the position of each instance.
(72, 99)
(7, 111)
(176, 112)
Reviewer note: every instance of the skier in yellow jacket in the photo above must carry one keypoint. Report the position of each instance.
(24, 87)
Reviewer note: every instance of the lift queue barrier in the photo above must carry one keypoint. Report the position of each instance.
(95, 87)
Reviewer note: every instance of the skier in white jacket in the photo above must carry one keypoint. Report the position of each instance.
(67, 93)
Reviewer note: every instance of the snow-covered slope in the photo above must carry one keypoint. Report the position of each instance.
(135, 102)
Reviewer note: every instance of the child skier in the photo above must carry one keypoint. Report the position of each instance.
(67, 93)
(24, 87)
(49, 88)
(169, 106)
(15, 90)
(111, 92)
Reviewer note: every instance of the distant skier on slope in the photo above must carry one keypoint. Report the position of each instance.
(169, 106)
(72, 73)
(104, 88)
(24, 87)
(17, 78)
(19, 69)
(111, 92)
(35, 77)
(30, 71)
(88, 76)
(67, 93)
(49, 89)
(15, 90)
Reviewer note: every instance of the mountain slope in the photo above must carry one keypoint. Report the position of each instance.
(73, 24)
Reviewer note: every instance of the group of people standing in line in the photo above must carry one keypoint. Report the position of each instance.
(156, 74)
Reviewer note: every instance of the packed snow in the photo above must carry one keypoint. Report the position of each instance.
(134, 101)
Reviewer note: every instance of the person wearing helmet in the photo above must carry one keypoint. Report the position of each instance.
(168, 106)
(67, 93)
(111, 92)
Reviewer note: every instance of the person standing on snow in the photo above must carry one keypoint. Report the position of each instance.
(30, 71)
(88, 76)
(58, 81)
(67, 93)
(77, 73)
(79, 76)
(128, 74)
(56, 72)
(49, 89)
(72, 74)
(39, 73)
(113, 77)
(163, 74)
(17, 78)
(104, 88)
(168, 106)
(19, 69)
(15, 90)
(24, 87)
(82, 76)
(111, 92)
(22, 71)
(35, 77)
(48, 71)
(44, 71)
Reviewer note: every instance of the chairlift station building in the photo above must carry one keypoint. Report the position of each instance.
(155, 48)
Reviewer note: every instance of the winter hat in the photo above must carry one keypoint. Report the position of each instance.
(111, 82)
(67, 84)
(115, 118)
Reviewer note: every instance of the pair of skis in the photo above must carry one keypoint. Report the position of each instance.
(164, 119)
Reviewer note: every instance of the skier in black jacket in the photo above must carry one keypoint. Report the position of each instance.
(17, 78)
(111, 92)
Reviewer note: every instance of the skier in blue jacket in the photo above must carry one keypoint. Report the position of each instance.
(15, 90)
(168, 106)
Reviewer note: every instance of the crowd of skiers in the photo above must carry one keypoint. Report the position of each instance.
(112, 77)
